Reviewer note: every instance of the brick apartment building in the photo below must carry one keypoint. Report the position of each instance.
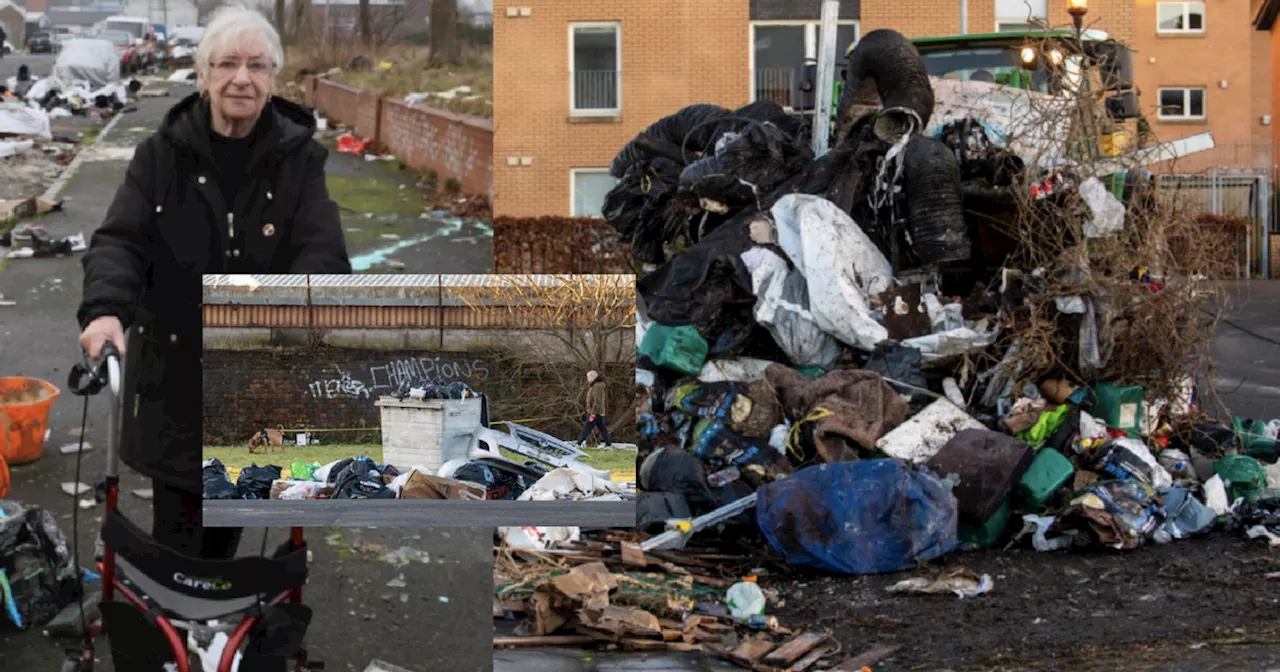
(1265, 19)
(576, 79)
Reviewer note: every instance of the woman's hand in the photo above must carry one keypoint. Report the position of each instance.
(99, 331)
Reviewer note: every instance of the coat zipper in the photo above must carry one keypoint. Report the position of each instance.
(231, 228)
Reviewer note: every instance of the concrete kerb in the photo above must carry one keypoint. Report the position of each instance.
(67, 173)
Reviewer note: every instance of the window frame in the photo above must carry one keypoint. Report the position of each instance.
(1186, 9)
(573, 189)
(1186, 103)
(810, 39)
(594, 112)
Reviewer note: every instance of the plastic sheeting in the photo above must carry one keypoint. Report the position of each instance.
(88, 60)
(863, 517)
(841, 264)
(16, 119)
(782, 307)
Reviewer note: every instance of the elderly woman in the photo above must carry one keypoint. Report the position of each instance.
(231, 183)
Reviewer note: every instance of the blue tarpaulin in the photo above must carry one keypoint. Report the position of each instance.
(860, 517)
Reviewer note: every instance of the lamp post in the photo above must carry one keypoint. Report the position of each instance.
(1077, 9)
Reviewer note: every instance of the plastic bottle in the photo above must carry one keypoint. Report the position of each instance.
(724, 477)
(1178, 464)
(745, 599)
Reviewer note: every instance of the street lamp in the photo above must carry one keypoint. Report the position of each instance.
(1077, 9)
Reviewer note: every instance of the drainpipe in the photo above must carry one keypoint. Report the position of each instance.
(964, 17)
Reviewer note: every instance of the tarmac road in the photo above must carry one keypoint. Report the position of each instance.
(41, 64)
(438, 620)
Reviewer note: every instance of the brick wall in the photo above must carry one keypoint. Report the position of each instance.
(1274, 59)
(328, 387)
(245, 390)
(790, 10)
(425, 139)
(674, 53)
(1225, 51)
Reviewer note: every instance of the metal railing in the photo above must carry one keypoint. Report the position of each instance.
(595, 90)
(778, 85)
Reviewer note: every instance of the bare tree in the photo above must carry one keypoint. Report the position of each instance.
(560, 328)
(366, 24)
(301, 14)
(444, 32)
(281, 25)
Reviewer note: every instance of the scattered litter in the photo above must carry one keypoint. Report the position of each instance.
(76, 489)
(405, 556)
(961, 582)
(397, 582)
(144, 493)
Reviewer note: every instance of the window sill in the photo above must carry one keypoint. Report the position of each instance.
(595, 117)
(1182, 120)
(1181, 35)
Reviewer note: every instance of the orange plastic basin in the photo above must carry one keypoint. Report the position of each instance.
(24, 417)
(4, 478)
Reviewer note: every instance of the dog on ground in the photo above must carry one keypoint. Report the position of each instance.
(268, 439)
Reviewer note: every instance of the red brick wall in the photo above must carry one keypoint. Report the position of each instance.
(1275, 90)
(452, 145)
(246, 390)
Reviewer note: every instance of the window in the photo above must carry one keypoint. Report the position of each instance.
(1180, 17)
(1017, 16)
(784, 56)
(1182, 104)
(588, 187)
(595, 65)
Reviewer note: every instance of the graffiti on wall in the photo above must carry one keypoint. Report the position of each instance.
(341, 387)
(390, 375)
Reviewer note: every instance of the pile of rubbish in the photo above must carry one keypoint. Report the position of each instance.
(37, 573)
(425, 388)
(27, 241)
(362, 478)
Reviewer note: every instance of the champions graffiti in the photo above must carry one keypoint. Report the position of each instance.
(387, 376)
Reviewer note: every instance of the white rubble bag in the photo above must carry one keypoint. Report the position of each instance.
(782, 307)
(841, 264)
(18, 119)
(89, 60)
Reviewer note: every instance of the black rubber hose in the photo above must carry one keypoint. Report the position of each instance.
(935, 202)
(692, 128)
(886, 71)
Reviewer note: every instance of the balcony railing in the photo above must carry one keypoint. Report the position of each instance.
(595, 90)
(778, 85)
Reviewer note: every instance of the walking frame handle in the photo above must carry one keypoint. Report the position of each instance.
(88, 379)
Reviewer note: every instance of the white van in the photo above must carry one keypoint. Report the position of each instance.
(136, 26)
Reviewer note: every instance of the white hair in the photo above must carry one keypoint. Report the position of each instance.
(231, 23)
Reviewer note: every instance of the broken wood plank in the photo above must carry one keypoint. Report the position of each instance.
(545, 640)
(793, 650)
(750, 652)
(654, 645)
(633, 556)
(813, 657)
(866, 658)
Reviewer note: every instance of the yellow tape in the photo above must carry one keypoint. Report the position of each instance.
(793, 436)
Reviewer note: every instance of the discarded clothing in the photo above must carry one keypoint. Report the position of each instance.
(857, 407)
(863, 517)
(1119, 514)
(989, 464)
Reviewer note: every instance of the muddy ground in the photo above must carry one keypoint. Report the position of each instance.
(1196, 605)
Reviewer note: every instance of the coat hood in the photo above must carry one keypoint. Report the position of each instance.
(187, 123)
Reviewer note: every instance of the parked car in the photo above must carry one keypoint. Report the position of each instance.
(44, 42)
(130, 57)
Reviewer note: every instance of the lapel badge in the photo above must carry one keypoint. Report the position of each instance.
(268, 230)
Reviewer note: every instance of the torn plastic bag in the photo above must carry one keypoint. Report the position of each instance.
(1185, 516)
(696, 285)
(92, 61)
(677, 472)
(36, 567)
(1108, 211)
(846, 407)
(863, 517)
(217, 484)
(360, 479)
(498, 483)
(638, 208)
(255, 482)
(1129, 458)
(841, 264)
(951, 343)
(740, 370)
(717, 445)
(1119, 514)
(988, 463)
(899, 362)
(782, 307)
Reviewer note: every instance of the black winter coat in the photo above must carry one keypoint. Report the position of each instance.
(145, 262)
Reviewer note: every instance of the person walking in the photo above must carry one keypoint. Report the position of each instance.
(597, 406)
(3, 37)
(232, 182)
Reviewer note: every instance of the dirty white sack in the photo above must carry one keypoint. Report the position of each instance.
(925, 433)
(1108, 211)
(563, 483)
(302, 490)
(537, 538)
(782, 307)
(741, 370)
(18, 119)
(841, 265)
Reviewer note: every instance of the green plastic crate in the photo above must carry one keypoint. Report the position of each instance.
(1119, 407)
(1254, 441)
(989, 532)
(1048, 473)
(1245, 477)
(680, 349)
